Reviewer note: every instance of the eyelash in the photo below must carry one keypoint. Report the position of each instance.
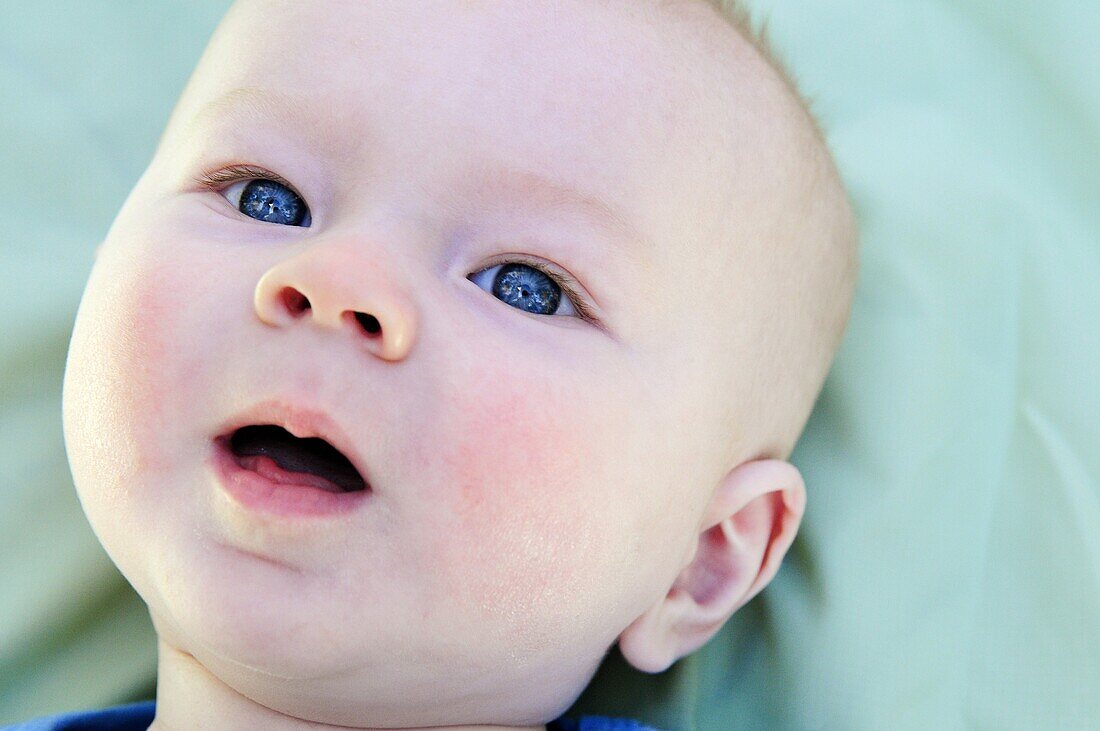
(216, 180)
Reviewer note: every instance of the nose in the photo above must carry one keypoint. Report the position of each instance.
(338, 288)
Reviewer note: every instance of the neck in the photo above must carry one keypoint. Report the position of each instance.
(189, 696)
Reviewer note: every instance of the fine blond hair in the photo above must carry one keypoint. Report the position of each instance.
(737, 15)
(784, 396)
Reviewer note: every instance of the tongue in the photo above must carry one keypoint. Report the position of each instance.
(269, 468)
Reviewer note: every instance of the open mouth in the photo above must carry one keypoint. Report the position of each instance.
(284, 459)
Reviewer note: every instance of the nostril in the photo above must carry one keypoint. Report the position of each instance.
(295, 302)
(369, 323)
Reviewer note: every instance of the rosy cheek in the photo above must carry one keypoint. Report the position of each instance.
(520, 504)
(134, 353)
(189, 292)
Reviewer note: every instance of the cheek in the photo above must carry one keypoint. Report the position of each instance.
(132, 348)
(134, 366)
(524, 530)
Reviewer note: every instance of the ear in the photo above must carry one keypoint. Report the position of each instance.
(748, 526)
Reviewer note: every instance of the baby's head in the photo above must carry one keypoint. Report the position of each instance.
(561, 280)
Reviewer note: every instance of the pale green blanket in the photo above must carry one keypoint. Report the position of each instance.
(948, 571)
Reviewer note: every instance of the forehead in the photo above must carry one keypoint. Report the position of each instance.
(592, 105)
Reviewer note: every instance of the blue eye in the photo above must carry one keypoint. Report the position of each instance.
(525, 287)
(258, 194)
(268, 200)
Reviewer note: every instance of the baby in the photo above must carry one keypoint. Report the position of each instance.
(444, 345)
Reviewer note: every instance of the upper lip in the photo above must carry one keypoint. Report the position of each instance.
(301, 421)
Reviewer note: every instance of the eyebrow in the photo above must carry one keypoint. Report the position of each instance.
(499, 180)
(496, 178)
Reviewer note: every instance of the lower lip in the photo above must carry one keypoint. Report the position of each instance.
(259, 494)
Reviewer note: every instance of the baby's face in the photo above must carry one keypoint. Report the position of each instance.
(535, 477)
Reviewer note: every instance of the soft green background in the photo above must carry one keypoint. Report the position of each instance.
(948, 571)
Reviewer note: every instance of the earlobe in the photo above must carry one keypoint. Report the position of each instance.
(747, 528)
